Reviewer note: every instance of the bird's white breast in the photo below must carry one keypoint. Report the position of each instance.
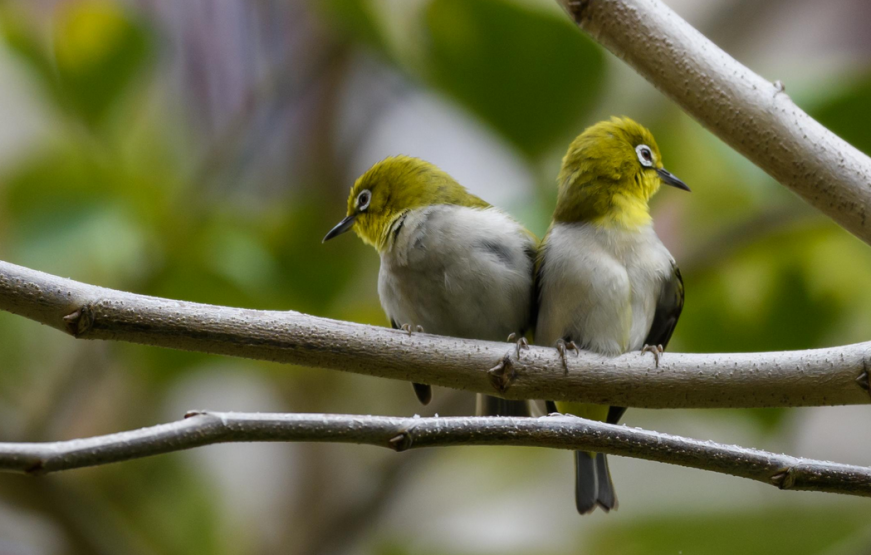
(599, 286)
(464, 272)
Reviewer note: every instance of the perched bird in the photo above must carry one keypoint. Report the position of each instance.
(451, 264)
(605, 281)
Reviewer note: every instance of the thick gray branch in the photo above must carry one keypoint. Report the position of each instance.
(780, 379)
(558, 432)
(754, 116)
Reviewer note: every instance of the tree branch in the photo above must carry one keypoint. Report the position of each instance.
(400, 434)
(835, 376)
(751, 114)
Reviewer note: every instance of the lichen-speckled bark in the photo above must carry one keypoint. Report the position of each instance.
(780, 379)
(558, 432)
(754, 116)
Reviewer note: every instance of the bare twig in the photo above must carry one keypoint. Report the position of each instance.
(400, 434)
(753, 115)
(777, 379)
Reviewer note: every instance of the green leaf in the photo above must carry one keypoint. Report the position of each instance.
(530, 74)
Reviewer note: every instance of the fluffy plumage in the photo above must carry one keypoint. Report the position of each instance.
(459, 271)
(450, 262)
(604, 279)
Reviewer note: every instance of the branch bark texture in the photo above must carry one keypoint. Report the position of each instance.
(833, 376)
(754, 116)
(558, 432)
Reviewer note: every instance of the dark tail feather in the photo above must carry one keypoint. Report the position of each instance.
(423, 392)
(586, 489)
(607, 498)
(494, 406)
(593, 486)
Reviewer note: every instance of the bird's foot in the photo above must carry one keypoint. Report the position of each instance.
(522, 343)
(562, 346)
(655, 349)
(779, 87)
(407, 328)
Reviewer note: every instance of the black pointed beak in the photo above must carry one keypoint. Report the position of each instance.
(341, 227)
(669, 179)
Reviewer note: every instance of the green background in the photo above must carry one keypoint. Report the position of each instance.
(200, 151)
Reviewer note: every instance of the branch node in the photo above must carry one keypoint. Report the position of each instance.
(779, 87)
(401, 441)
(863, 381)
(502, 375)
(577, 9)
(79, 322)
(863, 378)
(785, 479)
(36, 468)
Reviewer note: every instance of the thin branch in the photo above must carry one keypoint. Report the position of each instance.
(753, 115)
(835, 376)
(400, 434)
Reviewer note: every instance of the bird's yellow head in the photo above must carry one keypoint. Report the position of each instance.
(609, 173)
(391, 188)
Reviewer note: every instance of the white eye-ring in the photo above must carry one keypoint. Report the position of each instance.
(645, 156)
(363, 200)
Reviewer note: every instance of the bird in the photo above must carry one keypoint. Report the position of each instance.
(451, 264)
(604, 281)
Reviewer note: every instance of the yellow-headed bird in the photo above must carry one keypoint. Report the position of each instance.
(605, 281)
(450, 263)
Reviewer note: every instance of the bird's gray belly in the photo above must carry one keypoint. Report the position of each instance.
(600, 289)
(483, 299)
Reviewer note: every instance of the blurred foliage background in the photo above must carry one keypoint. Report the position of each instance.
(200, 150)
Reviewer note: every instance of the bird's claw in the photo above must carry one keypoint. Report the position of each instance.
(522, 343)
(655, 349)
(562, 346)
(407, 328)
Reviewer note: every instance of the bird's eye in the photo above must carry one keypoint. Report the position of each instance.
(644, 155)
(363, 200)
